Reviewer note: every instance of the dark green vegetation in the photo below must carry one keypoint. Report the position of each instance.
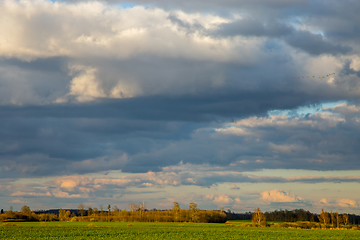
(81, 230)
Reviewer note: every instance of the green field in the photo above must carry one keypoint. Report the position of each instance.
(104, 230)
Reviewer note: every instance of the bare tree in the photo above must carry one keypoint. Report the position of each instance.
(142, 206)
(258, 217)
(346, 219)
(332, 218)
(176, 211)
(81, 208)
(90, 211)
(133, 207)
(193, 211)
(115, 209)
(101, 209)
(95, 211)
(338, 219)
(324, 217)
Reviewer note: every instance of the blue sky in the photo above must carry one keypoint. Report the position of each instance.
(116, 102)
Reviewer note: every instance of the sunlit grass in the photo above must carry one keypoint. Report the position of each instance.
(141, 230)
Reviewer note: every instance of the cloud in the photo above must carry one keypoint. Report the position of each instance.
(112, 58)
(84, 86)
(315, 44)
(118, 188)
(60, 194)
(107, 31)
(103, 139)
(89, 183)
(345, 109)
(129, 54)
(346, 202)
(222, 200)
(278, 195)
(17, 201)
(323, 201)
(214, 5)
(253, 27)
(30, 194)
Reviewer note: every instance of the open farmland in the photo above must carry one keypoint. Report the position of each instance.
(101, 230)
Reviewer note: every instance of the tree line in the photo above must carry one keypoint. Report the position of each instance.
(137, 213)
(302, 215)
(300, 218)
(295, 216)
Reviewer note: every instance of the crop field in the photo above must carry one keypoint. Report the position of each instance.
(104, 230)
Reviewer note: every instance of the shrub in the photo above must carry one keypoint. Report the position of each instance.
(355, 228)
(10, 224)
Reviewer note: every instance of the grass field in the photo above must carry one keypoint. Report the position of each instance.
(104, 230)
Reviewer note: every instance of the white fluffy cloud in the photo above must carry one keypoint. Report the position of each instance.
(85, 86)
(126, 52)
(345, 202)
(336, 203)
(323, 201)
(90, 34)
(278, 195)
(223, 200)
(95, 29)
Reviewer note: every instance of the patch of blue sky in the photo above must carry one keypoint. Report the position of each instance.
(127, 5)
(304, 110)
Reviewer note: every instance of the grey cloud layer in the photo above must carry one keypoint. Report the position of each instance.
(47, 145)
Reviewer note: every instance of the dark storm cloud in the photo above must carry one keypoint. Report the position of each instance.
(50, 138)
(315, 44)
(306, 41)
(190, 27)
(40, 151)
(51, 64)
(329, 145)
(254, 27)
(198, 108)
(39, 81)
(347, 70)
(337, 19)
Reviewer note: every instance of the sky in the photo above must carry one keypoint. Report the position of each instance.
(229, 104)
